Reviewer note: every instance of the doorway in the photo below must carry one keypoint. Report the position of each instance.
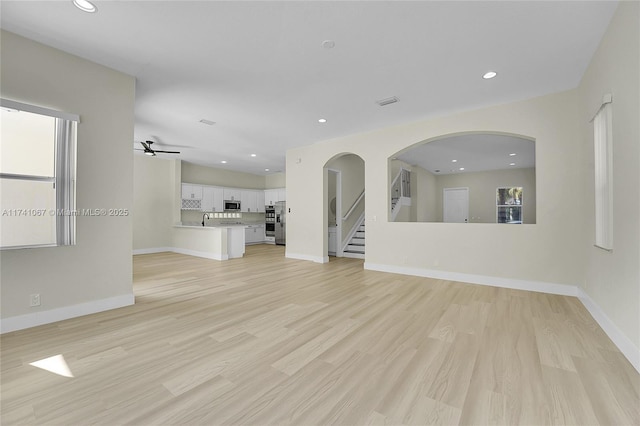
(455, 205)
(334, 212)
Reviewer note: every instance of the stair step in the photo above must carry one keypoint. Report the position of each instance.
(359, 234)
(357, 241)
(361, 228)
(355, 248)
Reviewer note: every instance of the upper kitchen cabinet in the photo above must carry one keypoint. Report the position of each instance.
(191, 197)
(271, 196)
(260, 199)
(232, 194)
(212, 199)
(191, 191)
(248, 201)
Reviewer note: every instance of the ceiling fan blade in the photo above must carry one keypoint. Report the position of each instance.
(146, 147)
(167, 152)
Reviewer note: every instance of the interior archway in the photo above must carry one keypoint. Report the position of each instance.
(344, 206)
(472, 177)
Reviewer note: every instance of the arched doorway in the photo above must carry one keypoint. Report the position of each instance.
(344, 206)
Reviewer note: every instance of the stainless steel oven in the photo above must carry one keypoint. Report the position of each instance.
(270, 221)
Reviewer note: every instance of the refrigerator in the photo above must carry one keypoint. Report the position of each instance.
(281, 222)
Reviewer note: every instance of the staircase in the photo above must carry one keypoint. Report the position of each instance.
(355, 248)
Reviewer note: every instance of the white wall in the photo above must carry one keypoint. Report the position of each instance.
(554, 250)
(153, 202)
(275, 180)
(194, 173)
(424, 195)
(482, 192)
(504, 252)
(96, 273)
(612, 280)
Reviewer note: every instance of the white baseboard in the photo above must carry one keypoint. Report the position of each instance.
(618, 338)
(152, 250)
(317, 259)
(21, 322)
(181, 251)
(539, 286)
(200, 254)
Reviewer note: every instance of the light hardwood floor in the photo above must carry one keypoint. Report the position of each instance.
(267, 340)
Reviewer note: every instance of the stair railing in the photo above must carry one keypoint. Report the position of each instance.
(400, 187)
(353, 207)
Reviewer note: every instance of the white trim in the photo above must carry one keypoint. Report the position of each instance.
(6, 103)
(317, 259)
(538, 286)
(181, 251)
(21, 322)
(203, 254)
(618, 338)
(152, 250)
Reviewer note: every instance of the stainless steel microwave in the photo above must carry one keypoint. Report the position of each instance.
(231, 206)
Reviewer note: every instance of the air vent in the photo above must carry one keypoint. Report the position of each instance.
(207, 122)
(387, 101)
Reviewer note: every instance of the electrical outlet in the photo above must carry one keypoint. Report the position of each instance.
(35, 300)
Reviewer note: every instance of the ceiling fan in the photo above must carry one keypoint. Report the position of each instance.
(150, 151)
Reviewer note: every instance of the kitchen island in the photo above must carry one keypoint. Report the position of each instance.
(220, 242)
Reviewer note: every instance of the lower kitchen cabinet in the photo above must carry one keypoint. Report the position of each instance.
(254, 234)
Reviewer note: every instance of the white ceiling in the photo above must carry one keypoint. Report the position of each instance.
(473, 153)
(258, 69)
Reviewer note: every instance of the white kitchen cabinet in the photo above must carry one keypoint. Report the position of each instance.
(272, 196)
(212, 199)
(254, 234)
(260, 201)
(249, 200)
(191, 191)
(233, 194)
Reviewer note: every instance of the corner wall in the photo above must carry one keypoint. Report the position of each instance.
(153, 202)
(95, 274)
(612, 279)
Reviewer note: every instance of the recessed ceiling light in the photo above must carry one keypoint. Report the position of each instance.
(85, 6)
(461, 168)
(224, 161)
(207, 122)
(266, 170)
(328, 44)
(454, 161)
(322, 120)
(489, 75)
(512, 164)
(513, 154)
(253, 155)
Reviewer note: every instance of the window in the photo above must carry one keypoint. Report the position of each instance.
(37, 176)
(603, 159)
(509, 205)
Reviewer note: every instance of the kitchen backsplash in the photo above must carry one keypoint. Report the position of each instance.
(194, 217)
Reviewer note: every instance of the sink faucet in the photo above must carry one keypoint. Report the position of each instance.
(203, 216)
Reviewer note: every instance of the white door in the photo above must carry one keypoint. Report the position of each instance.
(455, 205)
